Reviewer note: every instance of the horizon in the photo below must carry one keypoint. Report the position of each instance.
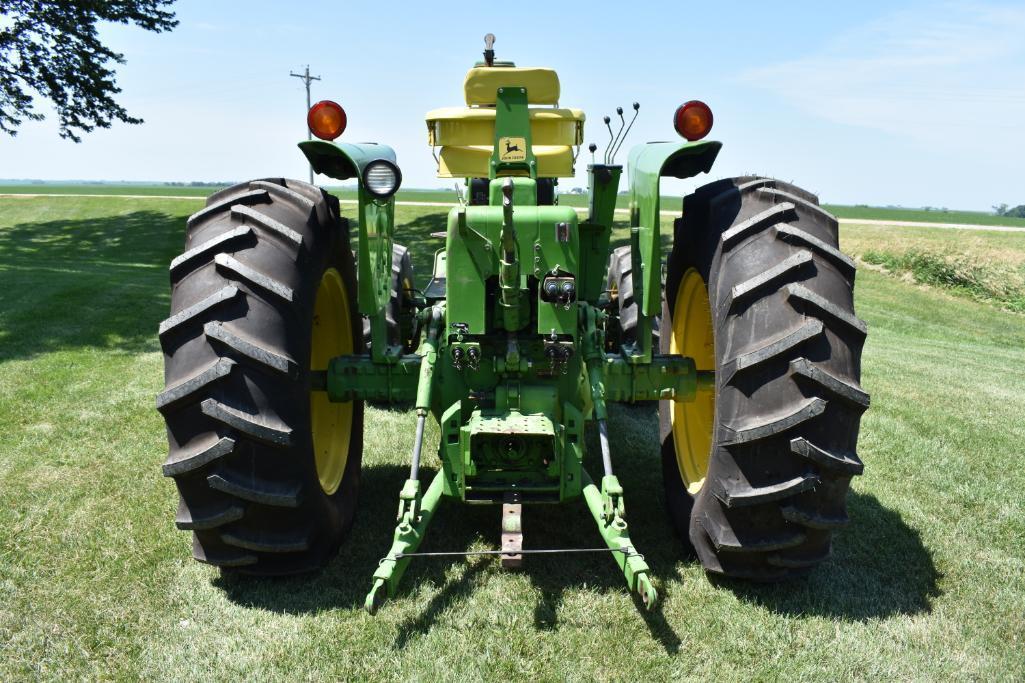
(333, 184)
(913, 104)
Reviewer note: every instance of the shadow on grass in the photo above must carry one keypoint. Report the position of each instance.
(879, 568)
(345, 582)
(95, 282)
(102, 282)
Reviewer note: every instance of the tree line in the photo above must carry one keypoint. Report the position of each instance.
(1012, 212)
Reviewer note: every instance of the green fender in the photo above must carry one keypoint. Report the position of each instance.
(647, 165)
(342, 160)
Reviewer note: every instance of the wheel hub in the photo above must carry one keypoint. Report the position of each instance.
(692, 421)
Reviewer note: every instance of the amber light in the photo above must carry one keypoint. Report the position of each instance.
(693, 120)
(326, 120)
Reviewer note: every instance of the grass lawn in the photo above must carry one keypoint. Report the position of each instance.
(927, 583)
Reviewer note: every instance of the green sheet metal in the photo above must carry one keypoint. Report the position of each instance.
(343, 160)
(648, 164)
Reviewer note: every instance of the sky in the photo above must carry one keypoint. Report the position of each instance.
(868, 102)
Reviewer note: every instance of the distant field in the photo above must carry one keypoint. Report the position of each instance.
(449, 196)
(987, 266)
(109, 189)
(926, 583)
(923, 216)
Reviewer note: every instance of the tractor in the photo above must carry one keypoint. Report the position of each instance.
(283, 326)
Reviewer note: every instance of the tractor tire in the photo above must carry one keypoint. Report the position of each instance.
(623, 327)
(756, 472)
(623, 324)
(267, 470)
(399, 312)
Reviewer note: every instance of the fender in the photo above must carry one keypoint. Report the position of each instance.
(648, 164)
(344, 161)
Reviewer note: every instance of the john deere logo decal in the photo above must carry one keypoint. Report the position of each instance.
(512, 149)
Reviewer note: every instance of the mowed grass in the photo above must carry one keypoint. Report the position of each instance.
(927, 583)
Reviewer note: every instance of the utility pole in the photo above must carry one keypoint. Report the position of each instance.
(307, 79)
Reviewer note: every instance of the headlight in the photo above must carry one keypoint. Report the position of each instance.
(381, 178)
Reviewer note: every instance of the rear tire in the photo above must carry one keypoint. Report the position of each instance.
(246, 298)
(619, 284)
(787, 400)
(399, 313)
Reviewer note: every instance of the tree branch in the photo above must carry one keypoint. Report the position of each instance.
(51, 49)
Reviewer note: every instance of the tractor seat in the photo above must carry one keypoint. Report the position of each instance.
(465, 136)
(482, 82)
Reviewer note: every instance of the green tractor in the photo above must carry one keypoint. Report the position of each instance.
(530, 325)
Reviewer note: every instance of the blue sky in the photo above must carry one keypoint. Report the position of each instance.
(866, 102)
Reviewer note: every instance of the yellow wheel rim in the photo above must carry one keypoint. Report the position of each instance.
(330, 423)
(692, 421)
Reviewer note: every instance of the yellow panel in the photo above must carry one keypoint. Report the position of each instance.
(461, 127)
(553, 161)
(330, 423)
(482, 84)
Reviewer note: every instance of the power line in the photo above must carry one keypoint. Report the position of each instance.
(307, 79)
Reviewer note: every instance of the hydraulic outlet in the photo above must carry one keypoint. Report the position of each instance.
(558, 354)
(465, 356)
(559, 290)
